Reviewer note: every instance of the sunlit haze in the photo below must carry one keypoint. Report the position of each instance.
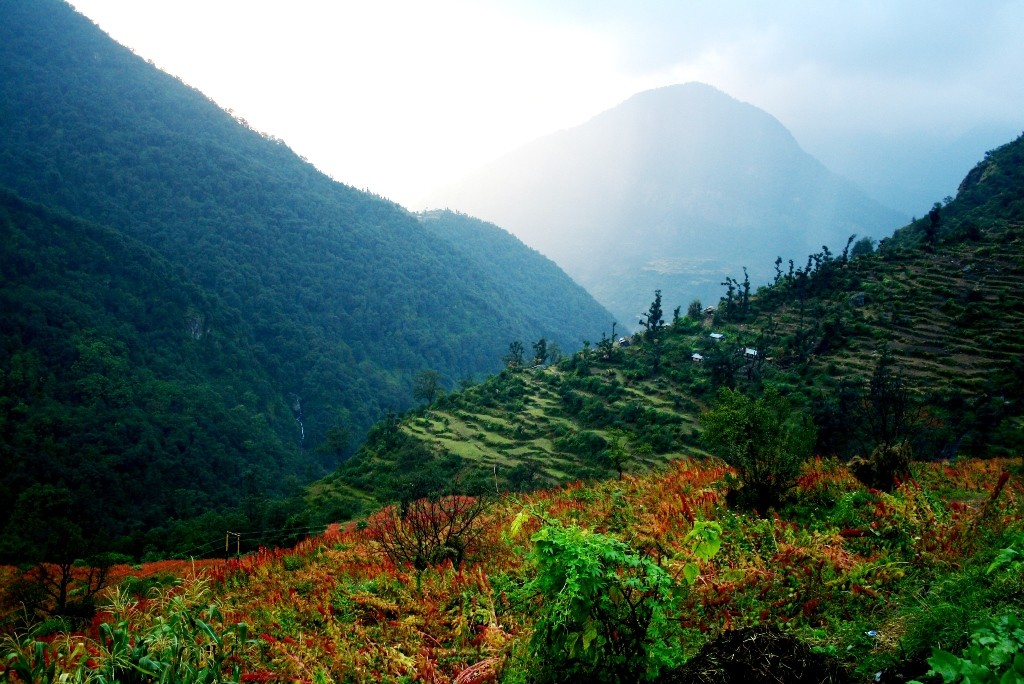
(401, 96)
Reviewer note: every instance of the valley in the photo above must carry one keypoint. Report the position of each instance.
(257, 425)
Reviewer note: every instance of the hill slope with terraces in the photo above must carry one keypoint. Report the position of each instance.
(943, 308)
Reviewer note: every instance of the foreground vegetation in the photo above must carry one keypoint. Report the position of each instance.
(623, 580)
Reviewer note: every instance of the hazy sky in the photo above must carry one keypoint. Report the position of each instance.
(400, 96)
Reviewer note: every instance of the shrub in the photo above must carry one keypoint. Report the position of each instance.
(887, 464)
(585, 444)
(429, 532)
(604, 616)
(765, 440)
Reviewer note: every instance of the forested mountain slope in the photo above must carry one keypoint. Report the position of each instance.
(315, 304)
(943, 298)
(124, 383)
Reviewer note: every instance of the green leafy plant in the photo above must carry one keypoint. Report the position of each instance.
(604, 615)
(27, 661)
(603, 607)
(189, 641)
(1010, 558)
(994, 655)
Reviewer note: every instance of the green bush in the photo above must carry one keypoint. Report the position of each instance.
(765, 440)
(604, 616)
(585, 444)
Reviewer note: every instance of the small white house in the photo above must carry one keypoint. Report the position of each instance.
(717, 336)
(750, 353)
(697, 358)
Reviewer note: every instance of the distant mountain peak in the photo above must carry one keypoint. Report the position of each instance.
(679, 174)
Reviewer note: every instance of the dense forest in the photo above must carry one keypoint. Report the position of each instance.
(195, 316)
(122, 377)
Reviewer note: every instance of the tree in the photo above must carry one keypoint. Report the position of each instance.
(888, 410)
(888, 417)
(514, 358)
(745, 293)
(426, 386)
(540, 352)
(429, 532)
(336, 441)
(765, 440)
(846, 250)
(605, 347)
(931, 229)
(618, 451)
(726, 307)
(654, 320)
(862, 247)
(695, 311)
(554, 352)
(722, 361)
(44, 529)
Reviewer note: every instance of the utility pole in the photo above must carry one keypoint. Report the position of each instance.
(227, 543)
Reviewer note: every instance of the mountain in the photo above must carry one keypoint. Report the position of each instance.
(537, 294)
(674, 189)
(305, 306)
(880, 567)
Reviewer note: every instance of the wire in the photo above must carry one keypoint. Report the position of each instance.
(279, 532)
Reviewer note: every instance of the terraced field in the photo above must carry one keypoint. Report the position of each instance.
(951, 319)
(528, 418)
